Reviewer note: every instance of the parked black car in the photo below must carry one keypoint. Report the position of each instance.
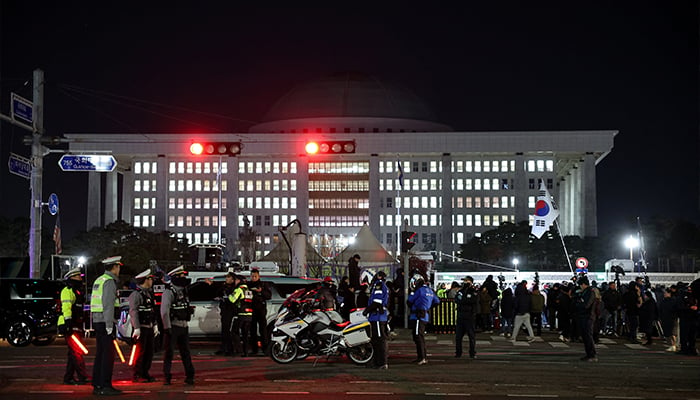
(29, 310)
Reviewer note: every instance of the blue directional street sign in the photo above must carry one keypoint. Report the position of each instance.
(87, 162)
(22, 109)
(19, 166)
(53, 204)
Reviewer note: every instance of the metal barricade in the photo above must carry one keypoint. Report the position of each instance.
(443, 317)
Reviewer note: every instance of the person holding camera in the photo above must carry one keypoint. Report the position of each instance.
(176, 313)
(466, 300)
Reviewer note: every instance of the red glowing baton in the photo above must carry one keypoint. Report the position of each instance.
(78, 343)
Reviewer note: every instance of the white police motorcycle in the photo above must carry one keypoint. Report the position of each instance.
(301, 330)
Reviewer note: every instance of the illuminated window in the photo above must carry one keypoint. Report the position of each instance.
(469, 219)
(171, 203)
(207, 168)
(180, 221)
(468, 184)
(460, 220)
(477, 220)
(433, 220)
(137, 203)
(477, 202)
(180, 169)
(180, 203)
(171, 185)
(531, 201)
(172, 168)
(487, 166)
(468, 202)
(180, 185)
(434, 166)
(137, 186)
(487, 220)
(171, 221)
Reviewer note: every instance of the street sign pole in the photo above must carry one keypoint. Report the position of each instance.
(36, 179)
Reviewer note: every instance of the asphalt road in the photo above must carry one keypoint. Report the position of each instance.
(545, 368)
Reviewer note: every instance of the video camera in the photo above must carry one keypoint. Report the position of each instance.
(618, 269)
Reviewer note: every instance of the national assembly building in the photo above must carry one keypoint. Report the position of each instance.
(453, 185)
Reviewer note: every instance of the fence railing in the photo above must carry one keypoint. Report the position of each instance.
(443, 317)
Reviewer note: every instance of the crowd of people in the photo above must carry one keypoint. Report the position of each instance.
(581, 310)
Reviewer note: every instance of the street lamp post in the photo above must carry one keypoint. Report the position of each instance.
(631, 243)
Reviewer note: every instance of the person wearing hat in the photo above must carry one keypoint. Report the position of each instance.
(261, 294)
(104, 306)
(466, 301)
(584, 313)
(242, 299)
(142, 310)
(70, 322)
(175, 312)
(421, 300)
(228, 313)
(377, 313)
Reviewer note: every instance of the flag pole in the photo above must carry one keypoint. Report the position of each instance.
(568, 260)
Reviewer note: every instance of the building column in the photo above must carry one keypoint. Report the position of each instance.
(302, 193)
(590, 205)
(521, 190)
(445, 240)
(375, 200)
(161, 194)
(128, 193)
(111, 197)
(94, 200)
(230, 233)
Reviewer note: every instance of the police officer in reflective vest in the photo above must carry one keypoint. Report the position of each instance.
(242, 300)
(104, 306)
(71, 323)
(176, 313)
(142, 313)
(377, 314)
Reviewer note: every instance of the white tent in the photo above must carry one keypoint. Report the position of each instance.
(371, 252)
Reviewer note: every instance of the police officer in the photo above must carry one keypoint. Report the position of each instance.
(228, 313)
(103, 307)
(421, 301)
(142, 310)
(175, 312)
(71, 323)
(377, 314)
(242, 299)
(466, 301)
(261, 293)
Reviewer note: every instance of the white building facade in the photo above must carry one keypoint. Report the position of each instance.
(455, 184)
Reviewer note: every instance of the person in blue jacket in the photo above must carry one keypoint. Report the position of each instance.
(421, 301)
(377, 314)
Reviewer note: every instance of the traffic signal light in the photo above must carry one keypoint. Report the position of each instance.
(330, 147)
(215, 148)
(406, 243)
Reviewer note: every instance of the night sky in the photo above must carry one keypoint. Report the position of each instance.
(622, 66)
